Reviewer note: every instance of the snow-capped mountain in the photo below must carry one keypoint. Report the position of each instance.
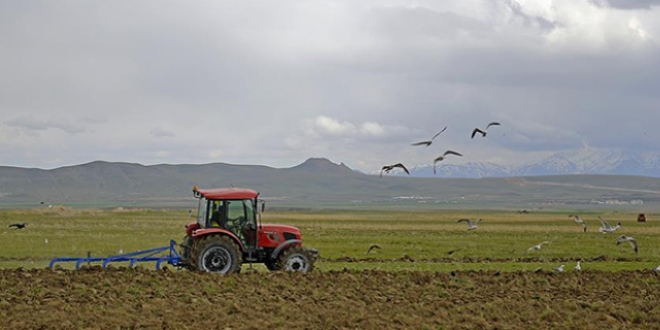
(583, 161)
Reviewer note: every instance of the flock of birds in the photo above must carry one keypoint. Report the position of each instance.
(426, 143)
(605, 228)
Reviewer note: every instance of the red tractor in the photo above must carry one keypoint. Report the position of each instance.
(229, 232)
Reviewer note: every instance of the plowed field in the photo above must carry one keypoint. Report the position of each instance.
(146, 299)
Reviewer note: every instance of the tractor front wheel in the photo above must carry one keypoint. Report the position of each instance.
(296, 259)
(217, 254)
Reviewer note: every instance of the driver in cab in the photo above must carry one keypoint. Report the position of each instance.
(219, 217)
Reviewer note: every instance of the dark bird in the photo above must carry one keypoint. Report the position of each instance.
(453, 251)
(428, 142)
(373, 246)
(17, 225)
(441, 158)
(483, 132)
(624, 238)
(497, 273)
(388, 168)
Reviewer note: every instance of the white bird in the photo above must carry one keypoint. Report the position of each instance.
(46, 240)
(559, 269)
(428, 142)
(577, 267)
(537, 246)
(624, 238)
(577, 219)
(657, 269)
(120, 251)
(471, 224)
(606, 228)
(483, 132)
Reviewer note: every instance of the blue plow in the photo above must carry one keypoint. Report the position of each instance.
(151, 255)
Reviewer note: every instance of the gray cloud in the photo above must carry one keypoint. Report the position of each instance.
(259, 82)
(628, 4)
(30, 123)
(161, 132)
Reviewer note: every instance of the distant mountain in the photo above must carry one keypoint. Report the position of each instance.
(585, 161)
(317, 181)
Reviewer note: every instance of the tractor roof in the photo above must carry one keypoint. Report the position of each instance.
(227, 193)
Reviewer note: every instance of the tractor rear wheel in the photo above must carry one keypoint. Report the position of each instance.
(296, 259)
(217, 254)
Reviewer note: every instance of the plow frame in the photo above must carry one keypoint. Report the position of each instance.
(150, 255)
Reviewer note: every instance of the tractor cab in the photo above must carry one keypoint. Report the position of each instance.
(231, 209)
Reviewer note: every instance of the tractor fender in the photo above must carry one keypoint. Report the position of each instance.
(281, 247)
(197, 234)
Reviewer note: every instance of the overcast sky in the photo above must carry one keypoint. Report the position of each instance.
(276, 82)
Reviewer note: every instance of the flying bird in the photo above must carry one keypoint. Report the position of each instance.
(576, 219)
(624, 238)
(483, 132)
(428, 142)
(577, 267)
(373, 246)
(388, 168)
(606, 228)
(559, 269)
(17, 225)
(441, 158)
(537, 246)
(471, 224)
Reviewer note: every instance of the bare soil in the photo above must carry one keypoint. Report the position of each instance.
(144, 299)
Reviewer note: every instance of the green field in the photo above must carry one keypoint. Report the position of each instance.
(410, 240)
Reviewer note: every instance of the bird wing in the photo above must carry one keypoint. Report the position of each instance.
(451, 152)
(544, 242)
(401, 166)
(476, 130)
(493, 124)
(605, 224)
(374, 246)
(14, 225)
(468, 221)
(633, 243)
(427, 143)
(434, 136)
